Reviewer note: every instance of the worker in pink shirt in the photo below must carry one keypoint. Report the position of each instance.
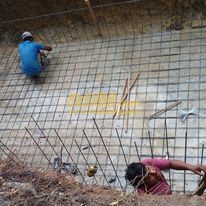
(146, 176)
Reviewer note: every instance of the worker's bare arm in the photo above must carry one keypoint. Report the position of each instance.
(180, 165)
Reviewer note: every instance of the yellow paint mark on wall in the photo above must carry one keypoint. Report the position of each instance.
(100, 103)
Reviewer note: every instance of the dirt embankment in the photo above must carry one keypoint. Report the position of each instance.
(116, 20)
(24, 186)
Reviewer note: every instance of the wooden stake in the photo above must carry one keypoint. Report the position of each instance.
(93, 17)
(125, 95)
(119, 106)
(156, 114)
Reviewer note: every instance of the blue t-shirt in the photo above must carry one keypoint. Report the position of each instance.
(29, 57)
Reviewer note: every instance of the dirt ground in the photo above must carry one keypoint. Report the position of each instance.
(24, 186)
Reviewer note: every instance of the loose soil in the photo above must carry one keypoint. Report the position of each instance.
(24, 186)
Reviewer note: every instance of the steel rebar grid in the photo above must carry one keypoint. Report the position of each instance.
(96, 158)
(107, 152)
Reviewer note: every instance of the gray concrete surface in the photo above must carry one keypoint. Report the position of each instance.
(85, 80)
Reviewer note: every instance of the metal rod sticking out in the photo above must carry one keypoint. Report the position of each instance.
(107, 152)
(150, 143)
(70, 156)
(127, 105)
(120, 143)
(39, 147)
(167, 145)
(8, 155)
(137, 151)
(96, 157)
(202, 153)
(47, 139)
(185, 159)
(84, 158)
(11, 151)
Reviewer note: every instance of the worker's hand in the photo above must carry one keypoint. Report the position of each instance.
(198, 169)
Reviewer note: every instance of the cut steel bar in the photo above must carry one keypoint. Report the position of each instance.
(39, 147)
(84, 158)
(128, 95)
(137, 151)
(167, 145)
(202, 154)
(70, 156)
(47, 139)
(95, 157)
(93, 17)
(8, 155)
(185, 159)
(120, 143)
(150, 143)
(156, 114)
(10, 151)
(107, 152)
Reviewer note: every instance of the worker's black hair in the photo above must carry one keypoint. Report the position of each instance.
(30, 38)
(134, 172)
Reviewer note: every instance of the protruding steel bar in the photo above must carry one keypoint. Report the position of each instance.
(10, 151)
(8, 155)
(84, 158)
(202, 153)
(39, 147)
(70, 156)
(139, 159)
(150, 143)
(167, 145)
(47, 139)
(127, 105)
(95, 157)
(185, 159)
(201, 159)
(107, 152)
(120, 143)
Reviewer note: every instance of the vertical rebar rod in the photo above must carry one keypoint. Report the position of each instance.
(167, 145)
(185, 159)
(8, 155)
(47, 139)
(127, 106)
(10, 151)
(70, 155)
(150, 143)
(139, 159)
(84, 158)
(120, 143)
(107, 152)
(95, 157)
(201, 159)
(39, 147)
(202, 153)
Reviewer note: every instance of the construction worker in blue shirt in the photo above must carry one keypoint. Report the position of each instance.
(31, 56)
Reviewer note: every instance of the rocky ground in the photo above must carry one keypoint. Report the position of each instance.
(24, 186)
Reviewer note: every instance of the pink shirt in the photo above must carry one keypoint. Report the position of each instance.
(162, 187)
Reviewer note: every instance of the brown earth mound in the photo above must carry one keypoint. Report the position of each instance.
(21, 185)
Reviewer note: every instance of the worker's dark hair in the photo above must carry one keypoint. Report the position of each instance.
(134, 172)
(30, 38)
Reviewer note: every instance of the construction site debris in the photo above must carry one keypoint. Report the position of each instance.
(156, 114)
